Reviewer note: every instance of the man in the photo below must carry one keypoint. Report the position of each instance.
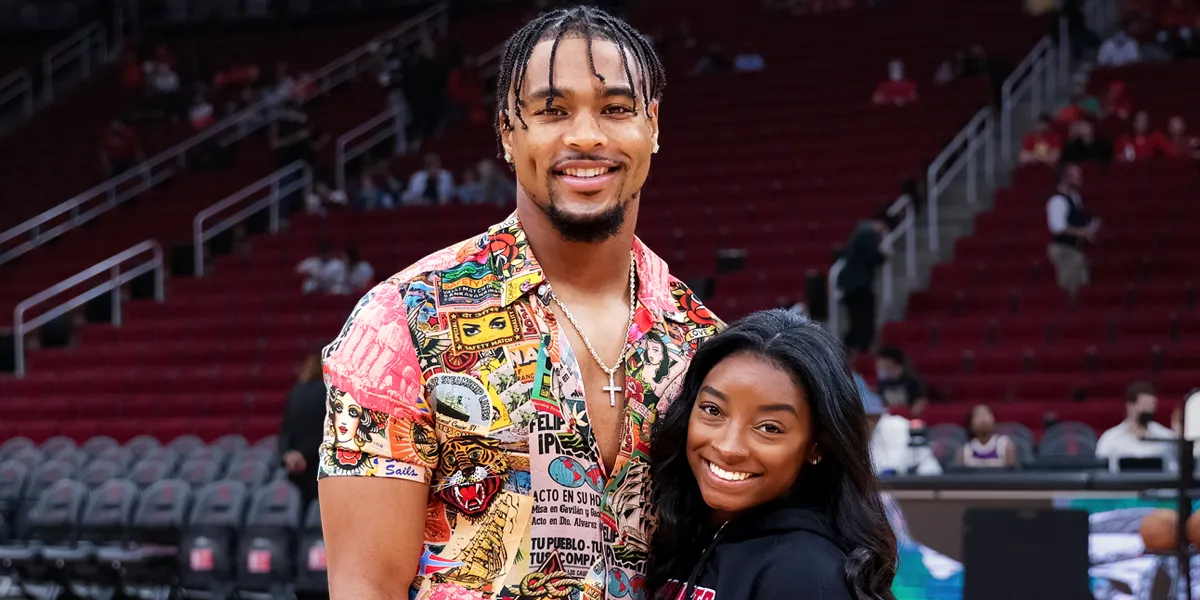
(1042, 145)
(898, 385)
(863, 257)
(1070, 227)
(490, 406)
(1134, 436)
(1083, 146)
(431, 185)
(896, 90)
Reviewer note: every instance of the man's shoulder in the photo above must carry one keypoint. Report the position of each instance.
(688, 304)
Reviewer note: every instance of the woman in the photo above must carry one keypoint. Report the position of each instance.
(764, 486)
(986, 448)
(302, 429)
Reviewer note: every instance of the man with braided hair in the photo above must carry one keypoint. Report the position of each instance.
(515, 395)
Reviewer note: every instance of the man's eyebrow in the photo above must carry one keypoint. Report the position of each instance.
(610, 91)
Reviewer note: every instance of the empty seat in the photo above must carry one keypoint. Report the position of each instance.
(44, 476)
(164, 455)
(14, 445)
(54, 519)
(148, 472)
(148, 559)
(312, 575)
(106, 519)
(199, 472)
(185, 444)
(96, 445)
(265, 558)
(56, 446)
(232, 444)
(948, 431)
(211, 453)
(250, 471)
(142, 445)
(207, 548)
(29, 456)
(122, 457)
(98, 472)
(14, 477)
(1073, 429)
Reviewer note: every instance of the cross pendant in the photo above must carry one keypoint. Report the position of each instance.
(612, 389)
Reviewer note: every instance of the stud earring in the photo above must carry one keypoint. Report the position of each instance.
(507, 157)
(816, 459)
(655, 149)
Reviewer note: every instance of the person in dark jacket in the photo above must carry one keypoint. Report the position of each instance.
(763, 482)
(303, 428)
(862, 257)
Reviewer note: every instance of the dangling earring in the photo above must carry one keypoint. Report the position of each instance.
(655, 149)
(816, 459)
(507, 157)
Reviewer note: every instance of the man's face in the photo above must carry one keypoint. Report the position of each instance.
(583, 160)
(888, 368)
(1073, 177)
(1145, 403)
(1141, 122)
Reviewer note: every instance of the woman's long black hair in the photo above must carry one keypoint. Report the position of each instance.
(843, 484)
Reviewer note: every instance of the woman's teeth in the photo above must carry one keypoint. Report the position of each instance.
(727, 475)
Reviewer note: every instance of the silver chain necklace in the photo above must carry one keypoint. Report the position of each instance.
(612, 387)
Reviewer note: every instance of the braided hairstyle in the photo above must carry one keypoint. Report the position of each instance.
(591, 24)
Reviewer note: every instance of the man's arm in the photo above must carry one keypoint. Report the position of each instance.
(378, 452)
(374, 531)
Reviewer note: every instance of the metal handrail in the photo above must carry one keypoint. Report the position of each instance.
(165, 164)
(1038, 76)
(960, 153)
(84, 45)
(906, 229)
(18, 84)
(201, 235)
(117, 278)
(377, 129)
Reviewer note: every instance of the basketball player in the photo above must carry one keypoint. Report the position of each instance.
(490, 406)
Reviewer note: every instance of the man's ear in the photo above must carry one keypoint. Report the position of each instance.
(506, 135)
(652, 110)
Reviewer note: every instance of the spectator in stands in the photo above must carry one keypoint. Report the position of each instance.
(892, 450)
(863, 255)
(714, 61)
(391, 80)
(1080, 104)
(164, 91)
(431, 185)
(495, 187)
(201, 114)
(896, 90)
(425, 89)
(898, 384)
(465, 90)
(749, 60)
(1082, 145)
(361, 274)
(1070, 228)
(1117, 103)
(1134, 436)
(1142, 143)
(1081, 37)
(1043, 145)
(303, 427)
(1119, 50)
(1185, 145)
(985, 448)
(323, 272)
(371, 195)
(283, 86)
(120, 149)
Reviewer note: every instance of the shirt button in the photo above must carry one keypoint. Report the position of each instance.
(542, 289)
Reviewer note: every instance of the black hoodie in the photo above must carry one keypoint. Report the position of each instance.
(773, 553)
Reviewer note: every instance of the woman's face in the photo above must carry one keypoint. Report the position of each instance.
(749, 434)
(654, 353)
(982, 421)
(346, 415)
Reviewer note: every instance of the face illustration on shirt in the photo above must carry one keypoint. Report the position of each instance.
(346, 416)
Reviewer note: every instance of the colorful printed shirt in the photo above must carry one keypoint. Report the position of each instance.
(454, 372)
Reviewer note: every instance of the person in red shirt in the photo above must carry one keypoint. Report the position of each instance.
(1142, 144)
(896, 90)
(120, 149)
(1117, 102)
(1043, 145)
(1183, 144)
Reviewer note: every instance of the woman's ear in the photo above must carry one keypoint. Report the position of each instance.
(814, 454)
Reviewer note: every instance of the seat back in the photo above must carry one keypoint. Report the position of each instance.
(265, 557)
(212, 453)
(1015, 431)
(48, 474)
(250, 471)
(94, 446)
(1074, 429)
(109, 511)
(98, 472)
(311, 574)
(949, 431)
(14, 445)
(231, 444)
(148, 472)
(162, 512)
(29, 456)
(1068, 443)
(199, 472)
(185, 444)
(207, 548)
(56, 446)
(56, 514)
(123, 457)
(141, 445)
(14, 478)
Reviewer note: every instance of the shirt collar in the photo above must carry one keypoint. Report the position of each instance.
(511, 259)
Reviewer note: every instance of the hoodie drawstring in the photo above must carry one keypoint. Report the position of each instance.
(690, 589)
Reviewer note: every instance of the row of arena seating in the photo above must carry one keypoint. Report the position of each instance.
(1065, 444)
(200, 527)
(994, 327)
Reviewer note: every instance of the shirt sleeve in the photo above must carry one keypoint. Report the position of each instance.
(378, 422)
(1056, 214)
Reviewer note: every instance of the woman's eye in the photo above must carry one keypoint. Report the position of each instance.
(771, 428)
(710, 410)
